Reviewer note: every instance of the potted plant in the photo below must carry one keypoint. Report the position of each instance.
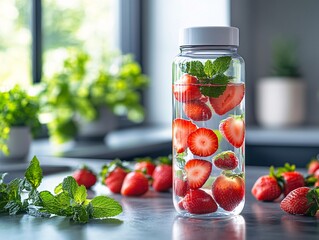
(280, 98)
(82, 99)
(18, 121)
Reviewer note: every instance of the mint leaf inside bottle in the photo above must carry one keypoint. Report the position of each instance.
(211, 74)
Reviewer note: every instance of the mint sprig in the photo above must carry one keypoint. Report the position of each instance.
(69, 199)
(210, 73)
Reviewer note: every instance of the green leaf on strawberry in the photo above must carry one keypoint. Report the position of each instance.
(313, 201)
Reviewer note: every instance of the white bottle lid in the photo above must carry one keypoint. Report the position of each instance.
(209, 36)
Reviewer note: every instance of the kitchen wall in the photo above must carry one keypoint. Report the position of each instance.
(261, 22)
(162, 20)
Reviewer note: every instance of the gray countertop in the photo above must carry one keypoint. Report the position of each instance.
(153, 217)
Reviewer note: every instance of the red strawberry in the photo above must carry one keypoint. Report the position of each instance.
(313, 166)
(162, 178)
(180, 187)
(231, 97)
(145, 166)
(199, 202)
(316, 173)
(85, 176)
(197, 172)
(181, 129)
(203, 142)
(228, 191)
(301, 201)
(115, 178)
(135, 184)
(185, 89)
(197, 111)
(292, 180)
(266, 188)
(233, 129)
(226, 160)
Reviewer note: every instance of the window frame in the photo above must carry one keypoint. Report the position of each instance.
(130, 26)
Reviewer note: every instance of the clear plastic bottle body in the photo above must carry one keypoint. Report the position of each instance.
(208, 96)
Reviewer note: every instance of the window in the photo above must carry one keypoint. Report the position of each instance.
(91, 25)
(86, 24)
(15, 43)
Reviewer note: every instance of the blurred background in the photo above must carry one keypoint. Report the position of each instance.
(66, 53)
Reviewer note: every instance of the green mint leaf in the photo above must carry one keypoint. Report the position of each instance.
(2, 175)
(179, 174)
(216, 86)
(194, 68)
(4, 198)
(14, 189)
(64, 203)
(209, 69)
(80, 194)
(34, 173)
(34, 197)
(37, 212)
(209, 182)
(221, 64)
(58, 205)
(69, 185)
(49, 202)
(14, 207)
(219, 135)
(180, 162)
(80, 214)
(103, 207)
(58, 189)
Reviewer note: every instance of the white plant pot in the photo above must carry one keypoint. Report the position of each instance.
(280, 102)
(100, 127)
(19, 143)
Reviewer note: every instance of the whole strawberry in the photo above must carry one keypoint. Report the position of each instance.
(226, 160)
(198, 201)
(85, 176)
(292, 180)
(162, 178)
(228, 191)
(113, 175)
(313, 166)
(145, 165)
(115, 179)
(135, 184)
(301, 201)
(266, 188)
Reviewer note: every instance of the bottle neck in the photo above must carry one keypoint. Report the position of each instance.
(202, 50)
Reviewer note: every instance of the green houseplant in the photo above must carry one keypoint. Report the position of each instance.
(79, 91)
(18, 120)
(281, 97)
